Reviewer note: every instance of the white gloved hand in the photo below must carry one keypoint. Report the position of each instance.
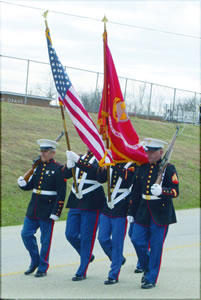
(54, 217)
(72, 156)
(110, 204)
(156, 189)
(70, 164)
(130, 219)
(21, 182)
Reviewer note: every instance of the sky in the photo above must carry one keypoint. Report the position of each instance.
(154, 41)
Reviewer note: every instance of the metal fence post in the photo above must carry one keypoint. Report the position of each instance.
(125, 89)
(149, 105)
(97, 82)
(173, 103)
(194, 113)
(25, 100)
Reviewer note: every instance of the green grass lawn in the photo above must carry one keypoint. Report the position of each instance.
(22, 125)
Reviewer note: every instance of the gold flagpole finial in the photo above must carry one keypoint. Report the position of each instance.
(104, 20)
(45, 16)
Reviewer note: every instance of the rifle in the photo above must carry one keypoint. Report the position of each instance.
(37, 160)
(166, 157)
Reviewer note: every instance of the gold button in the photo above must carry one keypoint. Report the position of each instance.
(148, 181)
(44, 165)
(40, 182)
(147, 192)
(147, 186)
(150, 171)
(39, 187)
(152, 166)
(149, 176)
(41, 177)
(163, 204)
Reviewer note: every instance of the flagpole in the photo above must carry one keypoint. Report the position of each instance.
(63, 119)
(68, 142)
(105, 107)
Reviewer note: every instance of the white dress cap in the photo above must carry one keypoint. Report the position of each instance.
(47, 144)
(154, 144)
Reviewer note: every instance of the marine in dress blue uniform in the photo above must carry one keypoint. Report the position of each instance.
(152, 210)
(113, 222)
(84, 208)
(49, 190)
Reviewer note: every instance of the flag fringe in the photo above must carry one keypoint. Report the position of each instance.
(124, 157)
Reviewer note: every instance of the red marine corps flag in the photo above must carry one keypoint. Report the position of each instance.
(115, 126)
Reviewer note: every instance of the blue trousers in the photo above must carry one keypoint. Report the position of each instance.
(81, 227)
(111, 236)
(155, 236)
(29, 229)
(130, 231)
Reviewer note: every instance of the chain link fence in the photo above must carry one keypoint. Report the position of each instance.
(142, 98)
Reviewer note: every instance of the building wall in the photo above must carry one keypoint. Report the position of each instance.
(22, 99)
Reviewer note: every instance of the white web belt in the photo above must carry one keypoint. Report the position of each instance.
(150, 197)
(48, 193)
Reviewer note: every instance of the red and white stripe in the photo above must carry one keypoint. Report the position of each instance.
(84, 125)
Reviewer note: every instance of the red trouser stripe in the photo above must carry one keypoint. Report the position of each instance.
(93, 240)
(48, 251)
(161, 252)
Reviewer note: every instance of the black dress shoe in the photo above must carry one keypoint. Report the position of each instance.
(92, 258)
(40, 274)
(78, 278)
(30, 270)
(147, 284)
(137, 270)
(111, 281)
(143, 279)
(123, 261)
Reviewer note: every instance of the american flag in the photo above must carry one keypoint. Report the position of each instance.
(68, 96)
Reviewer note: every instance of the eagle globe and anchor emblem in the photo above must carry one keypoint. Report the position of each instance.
(119, 110)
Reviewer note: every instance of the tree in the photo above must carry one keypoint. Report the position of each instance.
(46, 89)
(91, 100)
(187, 104)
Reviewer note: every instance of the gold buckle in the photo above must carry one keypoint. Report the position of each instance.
(38, 192)
(148, 197)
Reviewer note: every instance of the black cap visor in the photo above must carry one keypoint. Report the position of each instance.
(153, 148)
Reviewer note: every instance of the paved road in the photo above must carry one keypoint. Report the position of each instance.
(179, 276)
